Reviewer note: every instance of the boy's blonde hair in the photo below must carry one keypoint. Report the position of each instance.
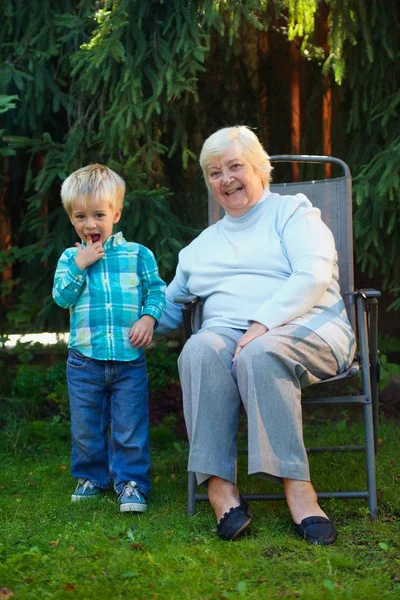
(244, 140)
(93, 182)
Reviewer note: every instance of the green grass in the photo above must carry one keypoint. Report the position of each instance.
(50, 548)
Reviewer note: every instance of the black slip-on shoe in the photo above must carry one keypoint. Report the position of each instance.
(317, 530)
(234, 522)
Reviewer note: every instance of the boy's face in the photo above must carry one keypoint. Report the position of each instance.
(94, 221)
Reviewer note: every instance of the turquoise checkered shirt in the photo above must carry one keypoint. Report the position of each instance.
(108, 297)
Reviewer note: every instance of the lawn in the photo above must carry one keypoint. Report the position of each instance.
(51, 548)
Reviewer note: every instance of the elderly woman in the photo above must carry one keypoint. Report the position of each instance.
(273, 323)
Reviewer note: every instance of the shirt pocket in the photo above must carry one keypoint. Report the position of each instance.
(127, 282)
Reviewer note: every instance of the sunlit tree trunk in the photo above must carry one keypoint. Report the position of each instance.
(295, 104)
(326, 99)
(5, 230)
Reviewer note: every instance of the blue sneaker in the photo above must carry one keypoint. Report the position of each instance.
(85, 489)
(131, 500)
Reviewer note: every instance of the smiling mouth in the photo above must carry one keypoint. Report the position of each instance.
(230, 192)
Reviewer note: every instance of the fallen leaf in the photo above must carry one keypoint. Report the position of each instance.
(69, 587)
(6, 593)
(137, 546)
(55, 543)
(62, 468)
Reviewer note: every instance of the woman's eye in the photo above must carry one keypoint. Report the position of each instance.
(236, 166)
(214, 174)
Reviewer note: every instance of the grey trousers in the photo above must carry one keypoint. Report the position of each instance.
(267, 377)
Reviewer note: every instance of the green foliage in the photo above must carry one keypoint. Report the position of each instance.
(162, 366)
(138, 86)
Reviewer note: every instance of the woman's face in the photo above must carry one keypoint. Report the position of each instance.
(234, 182)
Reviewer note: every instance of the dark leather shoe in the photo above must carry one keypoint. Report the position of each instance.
(317, 530)
(234, 522)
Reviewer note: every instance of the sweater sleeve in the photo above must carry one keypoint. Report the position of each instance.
(172, 317)
(69, 280)
(153, 299)
(309, 246)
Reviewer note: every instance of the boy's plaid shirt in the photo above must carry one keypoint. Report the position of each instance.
(108, 297)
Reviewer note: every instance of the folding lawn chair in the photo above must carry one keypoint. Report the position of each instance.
(333, 197)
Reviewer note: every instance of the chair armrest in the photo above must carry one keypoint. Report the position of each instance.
(191, 312)
(367, 303)
(191, 299)
(367, 293)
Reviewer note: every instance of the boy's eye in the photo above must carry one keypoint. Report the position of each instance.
(99, 215)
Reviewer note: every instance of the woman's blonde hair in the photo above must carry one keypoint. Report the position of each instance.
(245, 141)
(93, 182)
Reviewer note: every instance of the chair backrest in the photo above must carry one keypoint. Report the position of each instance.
(334, 199)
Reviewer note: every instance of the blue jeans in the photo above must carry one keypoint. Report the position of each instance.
(109, 395)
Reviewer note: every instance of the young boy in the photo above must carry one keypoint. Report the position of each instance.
(115, 297)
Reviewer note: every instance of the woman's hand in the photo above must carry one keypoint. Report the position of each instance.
(141, 332)
(255, 330)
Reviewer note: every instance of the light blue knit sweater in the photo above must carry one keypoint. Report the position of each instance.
(276, 264)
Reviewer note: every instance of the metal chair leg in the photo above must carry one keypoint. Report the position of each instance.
(370, 459)
(191, 493)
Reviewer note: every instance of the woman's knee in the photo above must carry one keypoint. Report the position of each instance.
(201, 346)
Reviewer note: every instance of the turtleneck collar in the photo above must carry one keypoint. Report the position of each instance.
(248, 218)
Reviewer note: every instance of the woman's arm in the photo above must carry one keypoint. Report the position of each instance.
(172, 316)
(309, 246)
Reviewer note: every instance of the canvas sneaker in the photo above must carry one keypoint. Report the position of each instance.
(131, 500)
(85, 489)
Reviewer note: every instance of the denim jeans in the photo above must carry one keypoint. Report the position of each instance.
(109, 421)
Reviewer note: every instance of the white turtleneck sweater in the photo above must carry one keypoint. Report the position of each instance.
(276, 264)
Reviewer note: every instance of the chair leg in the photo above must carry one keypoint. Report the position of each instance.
(370, 458)
(191, 493)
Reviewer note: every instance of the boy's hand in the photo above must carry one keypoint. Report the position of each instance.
(89, 255)
(141, 332)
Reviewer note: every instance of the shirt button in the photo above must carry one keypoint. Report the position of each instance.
(108, 305)
(76, 290)
(108, 334)
(105, 280)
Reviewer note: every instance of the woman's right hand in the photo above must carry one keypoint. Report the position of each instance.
(255, 330)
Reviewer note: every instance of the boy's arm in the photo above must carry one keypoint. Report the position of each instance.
(153, 299)
(69, 280)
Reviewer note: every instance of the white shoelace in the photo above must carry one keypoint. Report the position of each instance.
(86, 483)
(131, 490)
